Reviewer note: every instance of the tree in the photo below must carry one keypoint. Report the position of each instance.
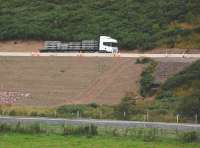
(126, 107)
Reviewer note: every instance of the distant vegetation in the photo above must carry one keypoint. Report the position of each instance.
(136, 24)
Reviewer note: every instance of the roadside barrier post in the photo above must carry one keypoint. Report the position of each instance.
(177, 118)
(144, 117)
(55, 113)
(100, 114)
(78, 114)
(147, 116)
(124, 115)
(196, 118)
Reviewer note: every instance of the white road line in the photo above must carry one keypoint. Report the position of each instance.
(122, 55)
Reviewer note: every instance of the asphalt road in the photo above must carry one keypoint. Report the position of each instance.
(123, 55)
(101, 123)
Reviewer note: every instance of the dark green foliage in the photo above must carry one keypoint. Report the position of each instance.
(147, 78)
(5, 127)
(94, 105)
(143, 60)
(188, 77)
(137, 24)
(166, 95)
(90, 130)
(189, 106)
(12, 113)
(187, 85)
(150, 135)
(70, 109)
(188, 137)
(22, 128)
(126, 107)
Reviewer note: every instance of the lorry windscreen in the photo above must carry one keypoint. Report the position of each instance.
(110, 44)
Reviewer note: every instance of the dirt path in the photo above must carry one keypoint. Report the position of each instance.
(100, 85)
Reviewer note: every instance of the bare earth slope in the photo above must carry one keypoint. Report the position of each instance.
(168, 67)
(53, 81)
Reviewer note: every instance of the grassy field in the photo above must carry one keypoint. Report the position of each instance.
(56, 141)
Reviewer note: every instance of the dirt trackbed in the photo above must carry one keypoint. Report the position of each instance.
(53, 81)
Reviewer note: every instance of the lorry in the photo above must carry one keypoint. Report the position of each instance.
(105, 44)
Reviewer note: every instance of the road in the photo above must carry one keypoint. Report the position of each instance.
(123, 55)
(101, 123)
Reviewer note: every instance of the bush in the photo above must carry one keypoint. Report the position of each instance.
(35, 129)
(93, 105)
(34, 114)
(5, 127)
(90, 130)
(143, 60)
(67, 110)
(150, 135)
(126, 107)
(147, 78)
(12, 113)
(189, 137)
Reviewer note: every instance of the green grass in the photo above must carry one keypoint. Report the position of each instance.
(56, 141)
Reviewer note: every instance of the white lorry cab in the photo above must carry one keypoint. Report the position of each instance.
(105, 44)
(108, 44)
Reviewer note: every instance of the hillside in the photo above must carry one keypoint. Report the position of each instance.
(183, 84)
(136, 24)
(182, 91)
(54, 81)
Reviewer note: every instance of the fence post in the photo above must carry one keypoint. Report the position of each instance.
(147, 115)
(196, 118)
(100, 114)
(78, 114)
(177, 118)
(55, 113)
(124, 115)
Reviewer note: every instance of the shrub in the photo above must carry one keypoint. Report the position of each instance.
(188, 137)
(12, 113)
(126, 107)
(143, 60)
(33, 114)
(150, 135)
(70, 109)
(5, 127)
(90, 130)
(93, 105)
(35, 128)
(147, 78)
